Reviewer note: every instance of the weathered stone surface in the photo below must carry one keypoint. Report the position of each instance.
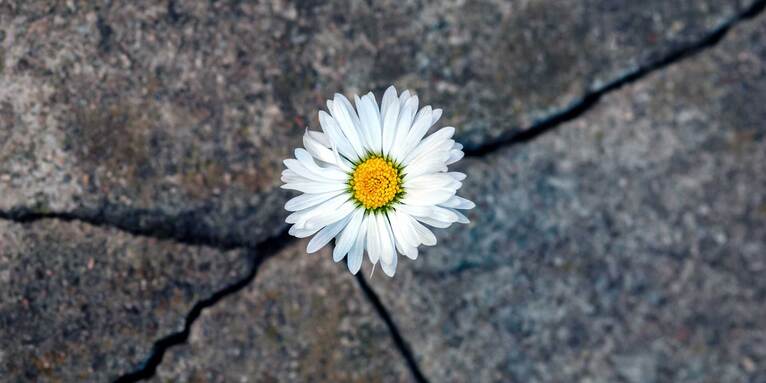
(84, 304)
(302, 320)
(628, 245)
(175, 115)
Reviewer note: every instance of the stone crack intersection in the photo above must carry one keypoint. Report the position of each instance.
(184, 230)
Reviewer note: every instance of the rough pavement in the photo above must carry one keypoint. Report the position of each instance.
(303, 319)
(170, 120)
(628, 245)
(173, 117)
(83, 303)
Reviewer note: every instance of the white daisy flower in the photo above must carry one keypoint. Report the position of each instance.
(371, 180)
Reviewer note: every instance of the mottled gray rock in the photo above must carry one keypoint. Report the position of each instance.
(83, 304)
(625, 247)
(628, 245)
(302, 320)
(174, 116)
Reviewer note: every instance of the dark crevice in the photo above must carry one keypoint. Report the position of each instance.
(257, 255)
(172, 12)
(592, 97)
(185, 232)
(396, 335)
(105, 34)
(186, 229)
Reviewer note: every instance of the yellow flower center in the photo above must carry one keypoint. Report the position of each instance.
(375, 182)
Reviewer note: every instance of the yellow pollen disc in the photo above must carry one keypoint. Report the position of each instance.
(375, 182)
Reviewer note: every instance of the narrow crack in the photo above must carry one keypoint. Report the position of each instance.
(185, 230)
(258, 255)
(592, 97)
(396, 335)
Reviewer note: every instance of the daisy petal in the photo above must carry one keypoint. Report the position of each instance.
(305, 201)
(457, 175)
(457, 202)
(314, 187)
(403, 125)
(301, 233)
(336, 136)
(386, 239)
(331, 216)
(389, 97)
(433, 212)
(425, 165)
(320, 137)
(341, 112)
(405, 242)
(460, 217)
(369, 118)
(429, 181)
(317, 149)
(403, 97)
(373, 240)
(326, 235)
(301, 217)
(357, 251)
(437, 113)
(437, 140)
(412, 253)
(305, 158)
(389, 268)
(425, 236)
(341, 162)
(376, 127)
(427, 197)
(455, 156)
(435, 222)
(346, 240)
(419, 129)
(390, 119)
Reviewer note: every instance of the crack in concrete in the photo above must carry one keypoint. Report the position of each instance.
(393, 329)
(182, 229)
(258, 255)
(592, 97)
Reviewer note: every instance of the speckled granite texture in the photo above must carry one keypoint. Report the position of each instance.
(301, 320)
(179, 114)
(141, 145)
(82, 303)
(630, 244)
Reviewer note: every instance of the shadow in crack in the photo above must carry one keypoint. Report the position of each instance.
(397, 337)
(591, 98)
(258, 255)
